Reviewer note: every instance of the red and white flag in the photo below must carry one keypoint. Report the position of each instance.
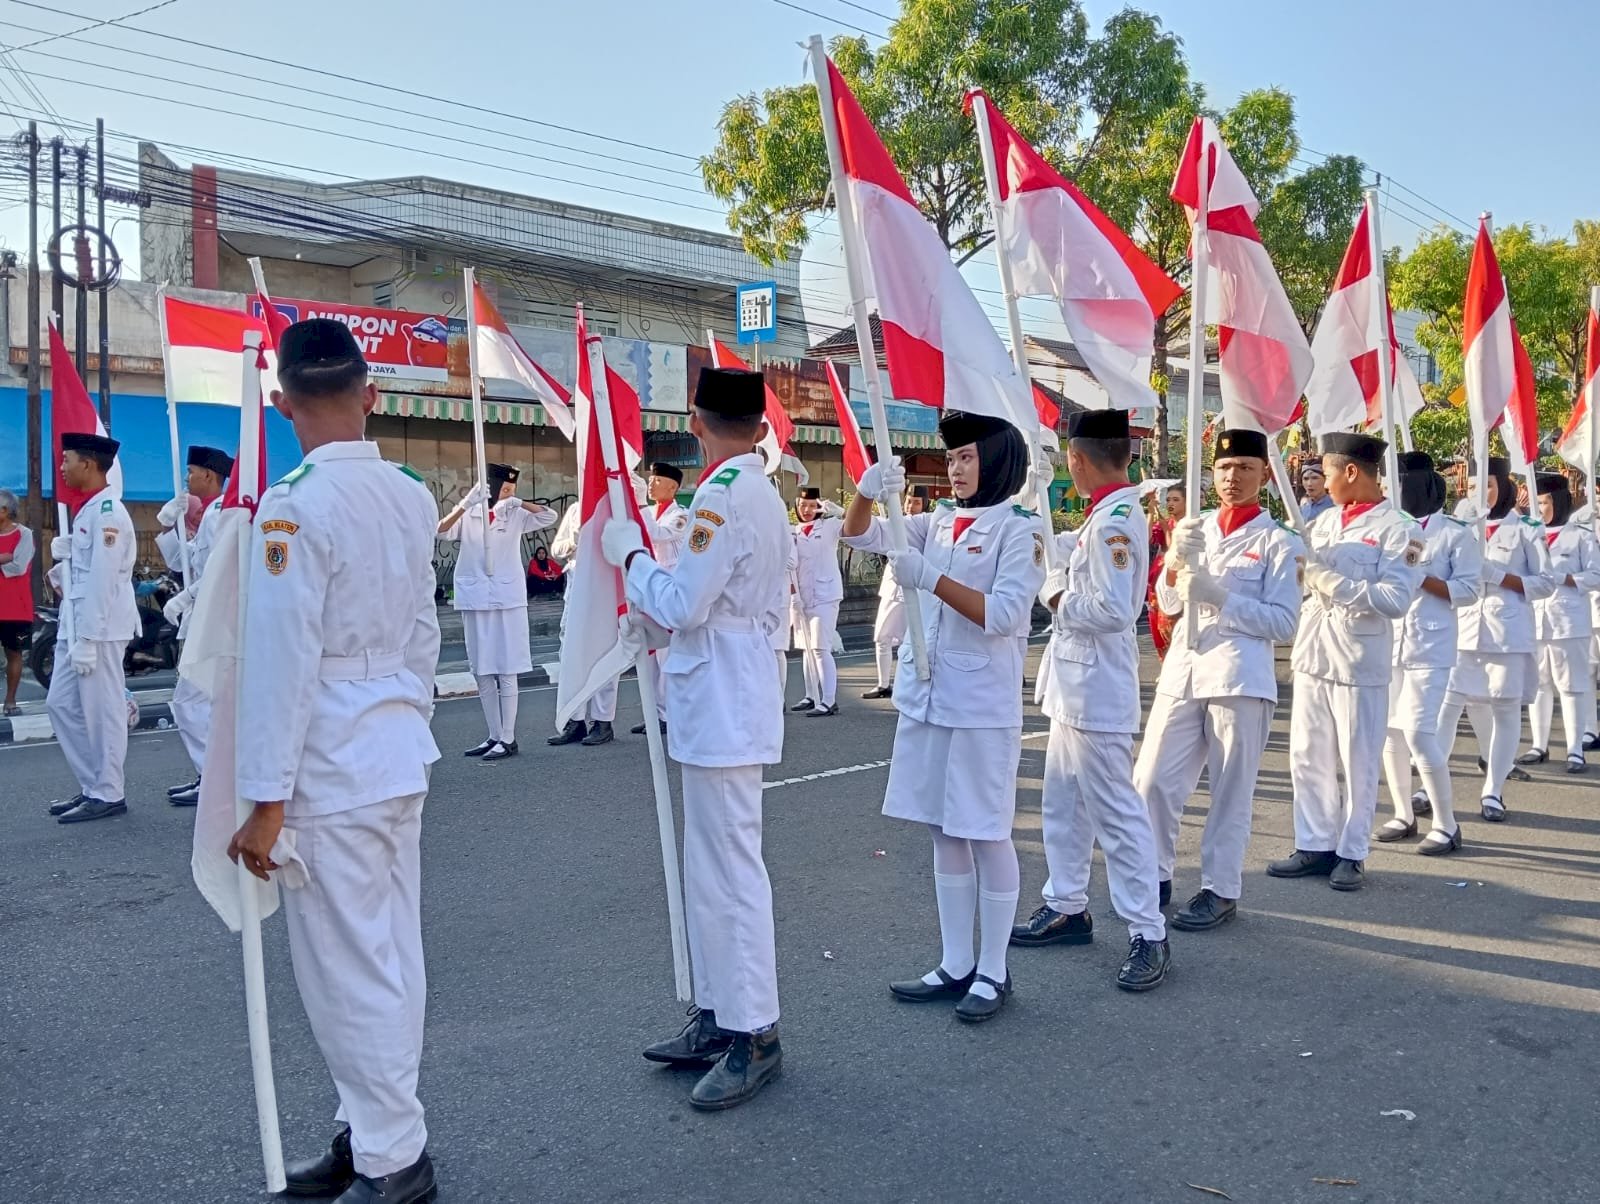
(1264, 359)
(1521, 433)
(501, 357)
(72, 412)
(591, 652)
(778, 444)
(1577, 445)
(201, 349)
(942, 349)
(1488, 358)
(1344, 387)
(1060, 245)
(856, 460)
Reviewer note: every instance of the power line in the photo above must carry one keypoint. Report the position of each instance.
(811, 12)
(72, 33)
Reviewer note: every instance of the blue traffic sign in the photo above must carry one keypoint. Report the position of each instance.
(755, 312)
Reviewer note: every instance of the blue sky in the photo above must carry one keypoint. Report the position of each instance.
(1472, 104)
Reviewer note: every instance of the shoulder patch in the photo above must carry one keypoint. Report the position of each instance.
(946, 503)
(106, 506)
(711, 516)
(1460, 522)
(1024, 511)
(294, 474)
(1286, 527)
(217, 505)
(725, 477)
(700, 538)
(1122, 511)
(1118, 539)
(408, 470)
(280, 524)
(1532, 522)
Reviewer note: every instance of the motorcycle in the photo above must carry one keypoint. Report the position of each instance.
(154, 648)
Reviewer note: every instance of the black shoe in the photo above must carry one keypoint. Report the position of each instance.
(1577, 765)
(752, 1060)
(93, 808)
(478, 750)
(700, 1043)
(1591, 742)
(599, 733)
(1518, 775)
(501, 751)
(62, 806)
(1389, 833)
(187, 788)
(879, 692)
(1348, 875)
(916, 991)
(1534, 756)
(324, 1176)
(1301, 864)
(1164, 893)
(414, 1185)
(1205, 911)
(1435, 848)
(1421, 804)
(805, 704)
(638, 728)
(975, 1009)
(1492, 809)
(822, 712)
(1146, 966)
(188, 798)
(570, 734)
(1049, 927)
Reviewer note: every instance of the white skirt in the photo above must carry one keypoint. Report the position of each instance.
(497, 640)
(1495, 677)
(1564, 665)
(962, 780)
(1416, 697)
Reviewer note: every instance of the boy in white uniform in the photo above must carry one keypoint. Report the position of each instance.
(1564, 627)
(819, 588)
(889, 628)
(667, 522)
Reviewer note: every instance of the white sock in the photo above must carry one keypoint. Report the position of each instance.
(489, 699)
(1001, 880)
(1427, 750)
(1571, 708)
(885, 655)
(957, 895)
(1397, 773)
(508, 708)
(830, 678)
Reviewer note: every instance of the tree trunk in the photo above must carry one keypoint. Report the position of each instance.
(1163, 438)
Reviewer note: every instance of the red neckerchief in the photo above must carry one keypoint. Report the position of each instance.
(1551, 537)
(1354, 511)
(1104, 491)
(661, 507)
(806, 530)
(962, 523)
(1490, 529)
(1231, 518)
(711, 468)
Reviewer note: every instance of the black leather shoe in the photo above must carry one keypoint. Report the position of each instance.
(324, 1176)
(750, 1063)
(1517, 774)
(1438, 848)
(701, 1042)
(570, 734)
(638, 729)
(1394, 830)
(501, 751)
(1421, 804)
(879, 692)
(189, 798)
(916, 991)
(1577, 765)
(1492, 809)
(477, 750)
(414, 1185)
(599, 733)
(805, 704)
(93, 808)
(1591, 742)
(187, 787)
(1301, 864)
(1146, 967)
(1164, 893)
(975, 1009)
(1534, 756)
(1348, 875)
(62, 806)
(1205, 911)
(1049, 927)
(822, 712)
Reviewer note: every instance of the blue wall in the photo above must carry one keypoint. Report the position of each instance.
(140, 422)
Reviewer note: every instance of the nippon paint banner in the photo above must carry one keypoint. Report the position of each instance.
(398, 345)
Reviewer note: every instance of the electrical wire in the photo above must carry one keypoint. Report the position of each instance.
(72, 33)
(811, 12)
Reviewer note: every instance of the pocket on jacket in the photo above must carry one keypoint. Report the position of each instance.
(1079, 652)
(966, 662)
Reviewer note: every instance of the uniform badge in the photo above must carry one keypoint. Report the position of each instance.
(1413, 553)
(699, 538)
(280, 524)
(105, 506)
(109, 536)
(277, 556)
(1113, 540)
(1038, 549)
(710, 516)
(1119, 558)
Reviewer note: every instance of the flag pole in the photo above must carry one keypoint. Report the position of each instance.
(470, 277)
(64, 622)
(1528, 474)
(172, 436)
(1008, 288)
(1380, 319)
(1592, 401)
(666, 825)
(247, 474)
(1200, 263)
(864, 344)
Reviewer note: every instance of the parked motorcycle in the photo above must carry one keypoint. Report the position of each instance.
(156, 646)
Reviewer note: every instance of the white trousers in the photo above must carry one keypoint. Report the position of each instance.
(90, 718)
(1564, 673)
(888, 631)
(602, 704)
(822, 675)
(355, 938)
(659, 679)
(191, 712)
(1335, 728)
(1089, 796)
(728, 897)
(1225, 736)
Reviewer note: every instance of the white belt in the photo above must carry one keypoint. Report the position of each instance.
(738, 626)
(363, 667)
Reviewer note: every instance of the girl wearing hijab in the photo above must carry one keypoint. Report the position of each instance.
(1563, 627)
(978, 563)
(1495, 674)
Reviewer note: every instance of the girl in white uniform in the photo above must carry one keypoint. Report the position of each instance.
(1564, 628)
(979, 562)
(820, 590)
(492, 599)
(889, 629)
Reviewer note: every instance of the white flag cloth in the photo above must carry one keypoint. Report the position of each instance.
(1489, 363)
(1576, 446)
(501, 357)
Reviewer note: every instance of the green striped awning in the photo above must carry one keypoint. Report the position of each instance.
(905, 440)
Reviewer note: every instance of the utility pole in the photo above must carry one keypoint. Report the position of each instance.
(57, 295)
(104, 272)
(85, 270)
(36, 508)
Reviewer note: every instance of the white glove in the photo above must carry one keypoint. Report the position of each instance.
(641, 491)
(180, 604)
(1201, 588)
(631, 636)
(912, 570)
(61, 547)
(832, 509)
(1493, 574)
(619, 540)
(1041, 472)
(505, 506)
(172, 513)
(1468, 510)
(881, 480)
(82, 657)
(476, 494)
(54, 577)
(654, 635)
(1188, 543)
(1321, 578)
(1055, 584)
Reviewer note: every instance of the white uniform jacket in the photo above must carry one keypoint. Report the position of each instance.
(170, 544)
(101, 562)
(564, 543)
(1347, 635)
(1259, 566)
(1426, 637)
(476, 589)
(817, 574)
(974, 673)
(341, 636)
(669, 529)
(1565, 614)
(1093, 682)
(722, 603)
(1501, 621)
(888, 588)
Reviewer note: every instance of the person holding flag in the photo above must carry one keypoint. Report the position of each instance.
(667, 522)
(491, 595)
(339, 650)
(721, 603)
(99, 616)
(889, 628)
(819, 589)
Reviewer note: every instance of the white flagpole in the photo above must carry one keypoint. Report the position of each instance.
(247, 473)
(1019, 352)
(1200, 264)
(178, 483)
(477, 412)
(1380, 320)
(1594, 431)
(1528, 470)
(666, 826)
(864, 344)
(1280, 476)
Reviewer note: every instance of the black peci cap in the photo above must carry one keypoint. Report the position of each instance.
(671, 471)
(1415, 461)
(316, 341)
(808, 493)
(921, 491)
(731, 392)
(1098, 424)
(502, 473)
(214, 458)
(89, 445)
(1241, 442)
(1363, 449)
(1552, 482)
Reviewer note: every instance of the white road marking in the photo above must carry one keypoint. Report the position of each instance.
(862, 768)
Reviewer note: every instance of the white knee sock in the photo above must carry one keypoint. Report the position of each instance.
(1571, 723)
(885, 655)
(1503, 724)
(1540, 712)
(1397, 772)
(508, 708)
(1000, 881)
(955, 887)
(489, 699)
(1427, 750)
(830, 678)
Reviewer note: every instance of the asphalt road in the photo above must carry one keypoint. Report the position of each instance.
(1464, 990)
